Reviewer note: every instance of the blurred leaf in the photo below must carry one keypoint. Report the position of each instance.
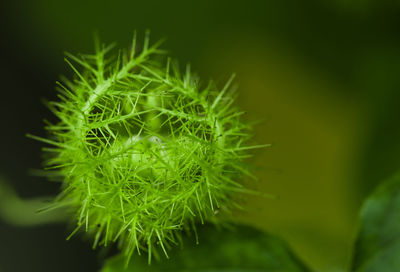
(242, 250)
(378, 243)
(24, 212)
(380, 159)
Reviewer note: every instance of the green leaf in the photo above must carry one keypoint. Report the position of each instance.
(242, 249)
(378, 243)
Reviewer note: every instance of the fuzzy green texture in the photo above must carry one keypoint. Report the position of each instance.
(144, 151)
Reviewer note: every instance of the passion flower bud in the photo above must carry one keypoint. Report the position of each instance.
(142, 150)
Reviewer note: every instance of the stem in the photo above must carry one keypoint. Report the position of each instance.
(24, 212)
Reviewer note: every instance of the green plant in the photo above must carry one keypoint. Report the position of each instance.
(143, 151)
(245, 249)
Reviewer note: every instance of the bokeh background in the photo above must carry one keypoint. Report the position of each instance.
(323, 76)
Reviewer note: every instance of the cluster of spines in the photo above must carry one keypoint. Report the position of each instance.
(143, 152)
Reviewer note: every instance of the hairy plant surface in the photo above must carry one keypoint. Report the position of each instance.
(142, 150)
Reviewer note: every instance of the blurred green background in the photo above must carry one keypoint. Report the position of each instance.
(322, 75)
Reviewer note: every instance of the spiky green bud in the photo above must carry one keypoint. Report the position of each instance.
(144, 151)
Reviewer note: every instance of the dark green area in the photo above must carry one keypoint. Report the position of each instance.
(378, 243)
(242, 249)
